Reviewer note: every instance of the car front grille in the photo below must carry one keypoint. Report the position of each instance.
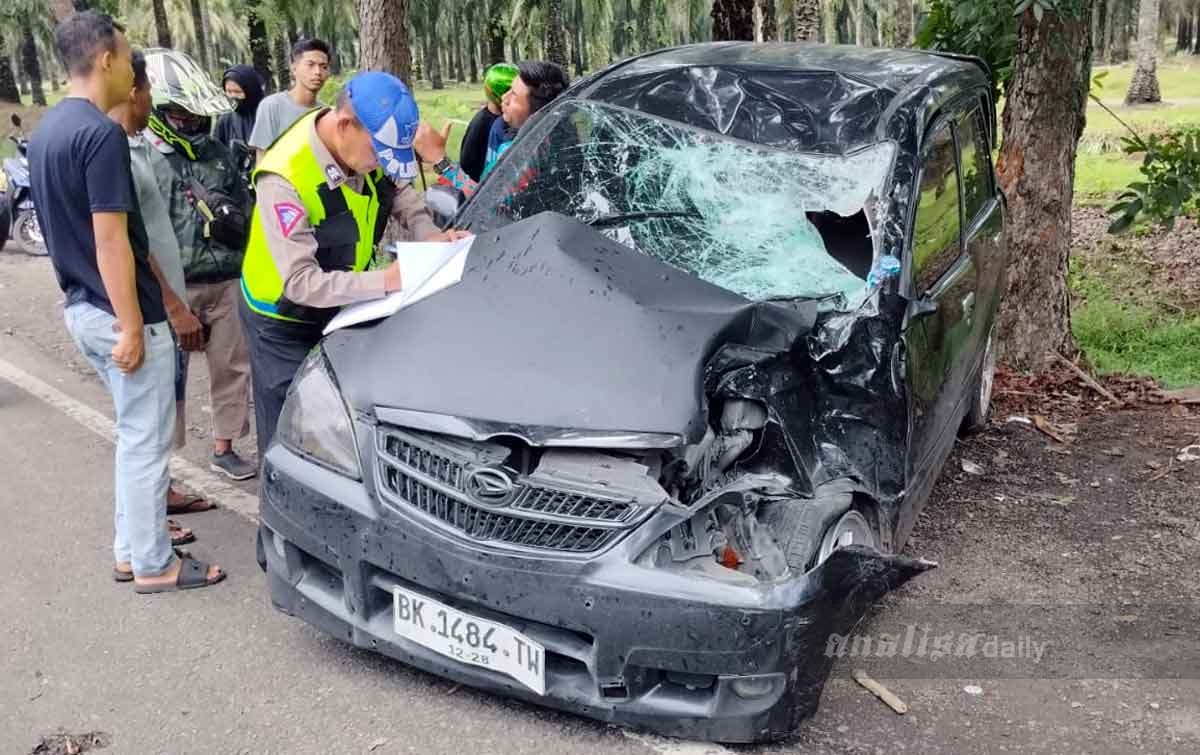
(429, 473)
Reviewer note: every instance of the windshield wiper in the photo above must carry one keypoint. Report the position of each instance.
(606, 220)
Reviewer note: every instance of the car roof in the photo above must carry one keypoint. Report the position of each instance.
(825, 98)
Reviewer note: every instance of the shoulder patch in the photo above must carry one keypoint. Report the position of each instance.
(288, 214)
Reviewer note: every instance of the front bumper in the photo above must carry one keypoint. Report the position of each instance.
(626, 644)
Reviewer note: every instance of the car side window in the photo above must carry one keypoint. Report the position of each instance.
(975, 164)
(938, 225)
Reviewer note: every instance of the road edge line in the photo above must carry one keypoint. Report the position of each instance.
(195, 479)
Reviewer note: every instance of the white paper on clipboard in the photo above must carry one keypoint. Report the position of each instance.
(426, 267)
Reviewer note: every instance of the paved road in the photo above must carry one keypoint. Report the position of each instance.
(218, 671)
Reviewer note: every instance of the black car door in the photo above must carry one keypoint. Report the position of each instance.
(938, 337)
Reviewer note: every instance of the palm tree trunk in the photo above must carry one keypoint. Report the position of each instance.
(201, 38)
(806, 20)
(904, 23)
(282, 62)
(383, 37)
(433, 63)
(556, 34)
(580, 51)
(8, 83)
(733, 20)
(497, 32)
(160, 24)
(1098, 30)
(1143, 88)
(770, 24)
(29, 61)
(472, 52)
(829, 21)
(260, 48)
(455, 51)
(860, 22)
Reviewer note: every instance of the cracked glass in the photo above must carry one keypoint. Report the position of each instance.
(738, 215)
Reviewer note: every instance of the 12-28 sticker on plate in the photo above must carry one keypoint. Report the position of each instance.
(469, 639)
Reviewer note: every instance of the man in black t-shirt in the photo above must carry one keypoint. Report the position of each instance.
(87, 208)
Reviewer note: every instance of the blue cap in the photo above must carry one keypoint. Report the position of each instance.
(388, 111)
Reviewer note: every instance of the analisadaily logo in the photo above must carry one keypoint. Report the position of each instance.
(921, 642)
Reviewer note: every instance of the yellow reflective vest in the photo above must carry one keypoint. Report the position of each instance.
(347, 225)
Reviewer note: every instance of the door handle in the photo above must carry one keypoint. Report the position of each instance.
(923, 307)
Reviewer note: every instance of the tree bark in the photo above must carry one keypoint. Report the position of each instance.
(1043, 120)
(1098, 30)
(770, 24)
(579, 50)
(645, 25)
(556, 34)
(904, 23)
(161, 25)
(860, 22)
(29, 61)
(201, 37)
(829, 21)
(9, 92)
(455, 47)
(497, 31)
(472, 52)
(1114, 26)
(733, 20)
(806, 20)
(260, 48)
(283, 63)
(1143, 89)
(433, 62)
(383, 37)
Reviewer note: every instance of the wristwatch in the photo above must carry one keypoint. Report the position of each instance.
(443, 165)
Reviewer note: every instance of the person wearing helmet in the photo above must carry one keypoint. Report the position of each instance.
(209, 206)
(472, 154)
(326, 189)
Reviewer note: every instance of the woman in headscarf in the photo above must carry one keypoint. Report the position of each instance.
(245, 88)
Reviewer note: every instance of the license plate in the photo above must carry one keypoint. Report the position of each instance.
(469, 639)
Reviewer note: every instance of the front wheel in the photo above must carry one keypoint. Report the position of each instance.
(809, 531)
(27, 234)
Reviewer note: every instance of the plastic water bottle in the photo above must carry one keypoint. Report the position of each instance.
(887, 266)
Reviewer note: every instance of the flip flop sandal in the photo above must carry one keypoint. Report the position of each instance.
(182, 539)
(191, 504)
(120, 575)
(192, 574)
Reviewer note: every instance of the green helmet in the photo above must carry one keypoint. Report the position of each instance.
(177, 84)
(497, 80)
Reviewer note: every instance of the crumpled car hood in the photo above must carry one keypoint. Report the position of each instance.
(555, 325)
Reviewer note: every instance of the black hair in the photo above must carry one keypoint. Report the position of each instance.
(83, 36)
(545, 80)
(309, 45)
(140, 79)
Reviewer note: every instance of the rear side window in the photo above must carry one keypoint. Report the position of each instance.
(938, 224)
(976, 165)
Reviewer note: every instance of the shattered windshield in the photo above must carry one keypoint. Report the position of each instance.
(759, 221)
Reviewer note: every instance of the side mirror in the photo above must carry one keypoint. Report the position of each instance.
(443, 203)
(16, 120)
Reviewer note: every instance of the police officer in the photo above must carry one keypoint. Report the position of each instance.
(326, 188)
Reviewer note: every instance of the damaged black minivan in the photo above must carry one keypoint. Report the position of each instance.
(727, 308)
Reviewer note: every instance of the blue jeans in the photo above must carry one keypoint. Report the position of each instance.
(144, 402)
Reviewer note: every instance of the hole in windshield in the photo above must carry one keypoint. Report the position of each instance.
(762, 222)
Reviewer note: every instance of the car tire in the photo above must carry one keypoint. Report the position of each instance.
(808, 531)
(976, 418)
(26, 234)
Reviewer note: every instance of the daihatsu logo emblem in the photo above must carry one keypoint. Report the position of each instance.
(490, 486)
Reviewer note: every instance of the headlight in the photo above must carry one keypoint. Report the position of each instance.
(315, 420)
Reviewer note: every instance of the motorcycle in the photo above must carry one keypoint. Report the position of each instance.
(18, 216)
